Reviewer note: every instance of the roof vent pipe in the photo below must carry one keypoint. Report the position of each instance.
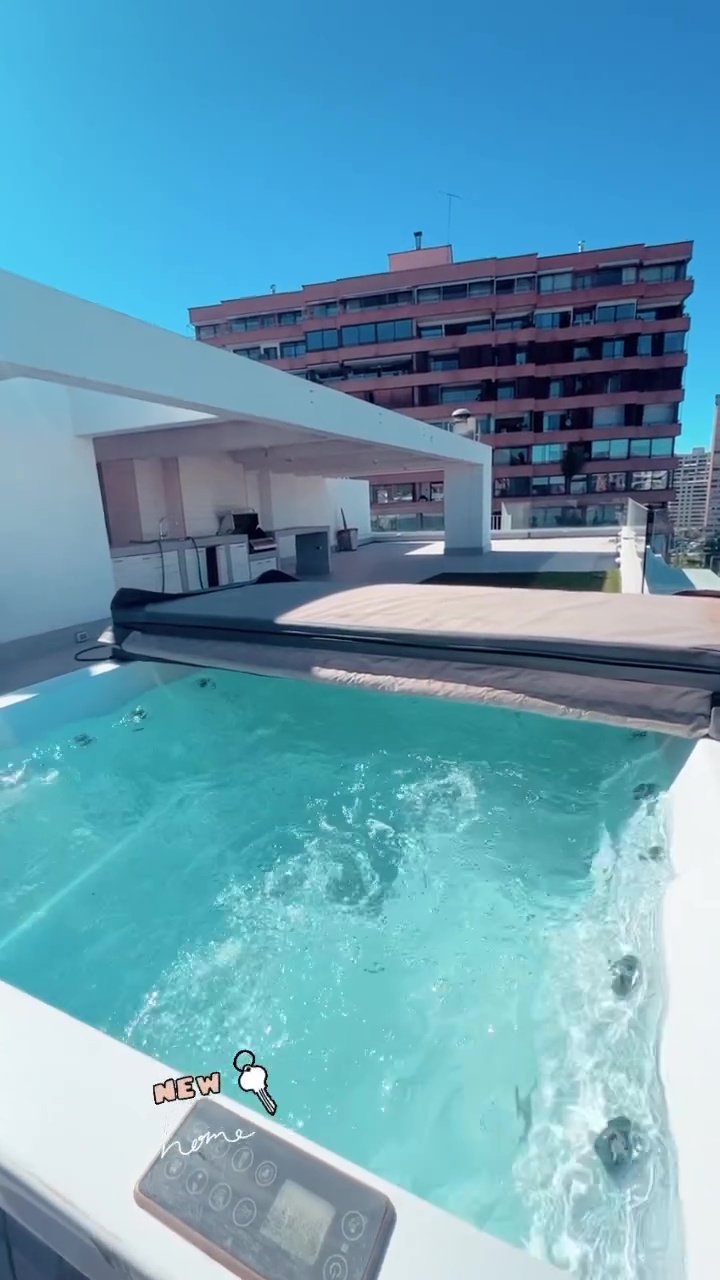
(418, 239)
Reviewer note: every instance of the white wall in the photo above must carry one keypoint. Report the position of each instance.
(210, 485)
(151, 495)
(54, 557)
(353, 496)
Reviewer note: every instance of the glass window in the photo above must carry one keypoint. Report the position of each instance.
(662, 448)
(252, 353)
(430, 331)
(644, 346)
(323, 309)
(657, 415)
(639, 448)
(520, 355)
(542, 453)
(456, 395)
(548, 319)
(438, 363)
(609, 449)
(525, 284)
(270, 353)
(206, 330)
(479, 326)
(403, 329)
(553, 421)
(555, 282)
(433, 294)
(511, 322)
(452, 291)
(556, 388)
(501, 457)
(613, 383)
(584, 315)
(619, 311)
(290, 349)
(322, 339)
(673, 342)
(609, 416)
(581, 353)
(607, 481)
(613, 349)
(505, 284)
(649, 480)
(506, 390)
(629, 275)
(480, 288)
(663, 271)
(548, 484)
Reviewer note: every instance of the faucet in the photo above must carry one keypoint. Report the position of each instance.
(162, 527)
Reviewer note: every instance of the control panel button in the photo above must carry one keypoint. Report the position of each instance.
(244, 1213)
(336, 1268)
(242, 1159)
(197, 1182)
(266, 1173)
(174, 1167)
(218, 1148)
(220, 1197)
(353, 1225)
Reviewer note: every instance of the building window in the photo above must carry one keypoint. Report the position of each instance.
(505, 284)
(242, 324)
(662, 448)
(609, 449)
(432, 294)
(613, 349)
(323, 309)
(478, 326)
(440, 363)
(555, 388)
(553, 421)
(581, 353)
(270, 353)
(372, 301)
(512, 487)
(521, 355)
(609, 416)
(673, 342)
(618, 311)
(644, 345)
(289, 350)
(456, 395)
(206, 330)
(649, 480)
(430, 331)
(355, 335)
(544, 485)
(480, 288)
(552, 319)
(659, 415)
(639, 448)
(506, 390)
(555, 282)
(322, 339)
(663, 271)
(382, 493)
(607, 481)
(513, 322)
(252, 353)
(584, 315)
(452, 291)
(543, 453)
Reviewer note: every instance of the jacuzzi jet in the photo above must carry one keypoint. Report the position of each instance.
(205, 683)
(83, 740)
(653, 854)
(646, 791)
(626, 975)
(618, 1146)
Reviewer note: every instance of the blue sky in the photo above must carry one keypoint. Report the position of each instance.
(161, 154)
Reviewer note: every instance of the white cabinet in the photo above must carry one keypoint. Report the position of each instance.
(145, 572)
(239, 562)
(261, 564)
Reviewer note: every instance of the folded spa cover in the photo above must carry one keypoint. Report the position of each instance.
(640, 660)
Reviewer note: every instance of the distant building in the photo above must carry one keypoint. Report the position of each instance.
(712, 511)
(687, 510)
(570, 360)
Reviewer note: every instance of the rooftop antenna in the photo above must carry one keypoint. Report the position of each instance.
(418, 239)
(450, 197)
(273, 288)
(581, 246)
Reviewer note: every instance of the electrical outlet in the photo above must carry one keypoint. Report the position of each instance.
(81, 637)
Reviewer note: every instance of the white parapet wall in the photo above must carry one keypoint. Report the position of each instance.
(690, 1049)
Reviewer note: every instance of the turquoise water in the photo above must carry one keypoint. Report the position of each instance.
(407, 908)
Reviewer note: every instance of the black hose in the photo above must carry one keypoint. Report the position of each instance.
(197, 555)
(101, 644)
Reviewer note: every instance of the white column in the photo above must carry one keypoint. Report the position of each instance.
(468, 506)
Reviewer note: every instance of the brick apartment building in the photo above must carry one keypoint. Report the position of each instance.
(572, 367)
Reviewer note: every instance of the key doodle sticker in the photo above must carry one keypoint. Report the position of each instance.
(252, 1078)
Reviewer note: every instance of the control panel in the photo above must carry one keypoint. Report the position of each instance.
(262, 1207)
